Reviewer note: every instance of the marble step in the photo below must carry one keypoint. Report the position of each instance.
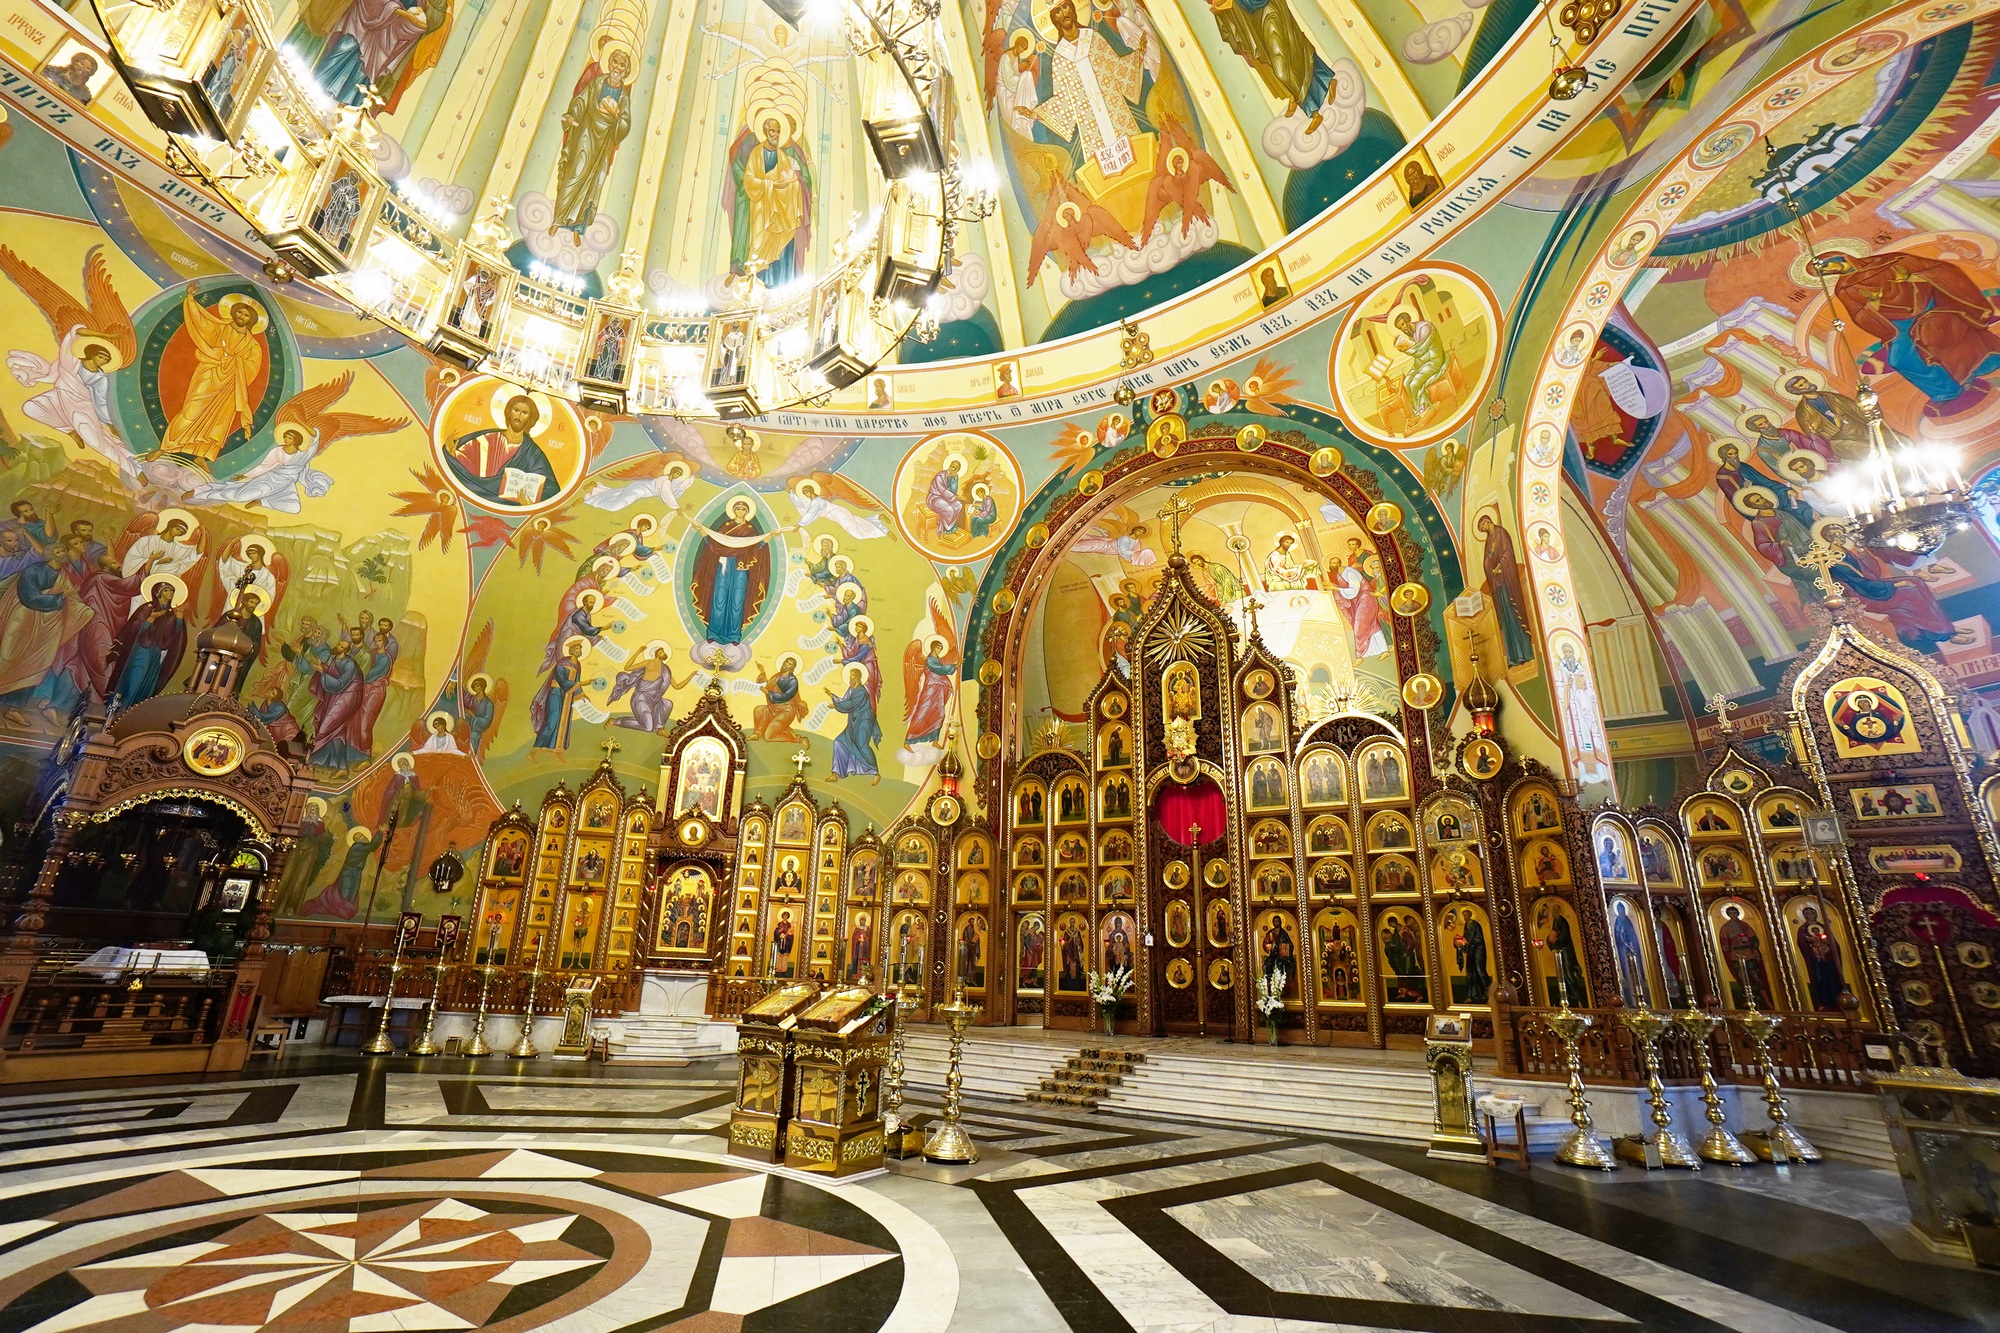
(1074, 1101)
(1854, 1139)
(1321, 1098)
(661, 1041)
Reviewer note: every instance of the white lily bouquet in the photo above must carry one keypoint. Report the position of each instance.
(1107, 989)
(1270, 999)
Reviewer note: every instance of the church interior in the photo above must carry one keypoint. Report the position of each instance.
(1112, 665)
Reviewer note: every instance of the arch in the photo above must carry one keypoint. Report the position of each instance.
(1652, 213)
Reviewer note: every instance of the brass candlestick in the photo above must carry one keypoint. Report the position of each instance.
(1718, 1145)
(478, 1046)
(1583, 1147)
(1674, 1149)
(893, 1128)
(524, 1049)
(426, 1043)
(949, 1144)
(1760, 1028)
(380, 1043)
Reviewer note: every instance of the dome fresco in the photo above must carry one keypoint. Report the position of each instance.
(1572, 346)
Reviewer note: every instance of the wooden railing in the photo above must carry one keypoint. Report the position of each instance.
(77, 1012)
(1813, 1051)
(728, 997)
(368, 974)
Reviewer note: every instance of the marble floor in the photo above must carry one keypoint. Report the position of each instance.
(341, 1195)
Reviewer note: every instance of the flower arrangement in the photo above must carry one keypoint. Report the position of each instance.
(1107, 989)
(1271, 998)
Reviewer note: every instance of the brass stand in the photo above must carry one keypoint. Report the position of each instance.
(524, 1049)
(1718, 1145)
(426, 1042)
(895, 1133)
(1583, 1147)
(1781, 1141)
(478, 1046)
(949, 1144)
(1670, 1145)
(380, 1043)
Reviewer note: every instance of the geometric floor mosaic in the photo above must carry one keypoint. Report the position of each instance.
(424, 1240)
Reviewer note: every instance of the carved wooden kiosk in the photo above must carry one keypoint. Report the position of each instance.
(839, 1048)
(764, 1073)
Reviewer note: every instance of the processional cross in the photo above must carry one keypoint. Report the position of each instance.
(1173, 516)
(800, 760)
(610, 747)
(1719, 705)
(1822, 556)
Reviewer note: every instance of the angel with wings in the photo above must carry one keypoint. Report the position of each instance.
(930, 670)
(661, 476)
(94, 338)
(483, 699)
(830, 496)
(304, 427)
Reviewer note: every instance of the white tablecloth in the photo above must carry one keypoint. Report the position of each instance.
(110, 961)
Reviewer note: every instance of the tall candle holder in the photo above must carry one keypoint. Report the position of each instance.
(426, 1042)
(1781, 1137)
(949, 1144)
(478, 1046)
(1672, 1145)
(1584, 1147)
(1718, 1145)
(524, 1049)
(894, 1131)
(380, 1044)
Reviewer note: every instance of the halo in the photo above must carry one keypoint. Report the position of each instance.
(1180, 154)
(981, 489)
(630, 543)
(1018, 34)
(603, 560)
(1844, 246)
(826, 544)
(504, 393)
(644, 524)
(1283, 533)
(1816, 380)
(793, 658)
(477, 678)
(597, 598)
(646, 649)
(1039, 15)
(937, 639)
(955, 457)
(679, 467)
(226, 307)
(291, 428)
(316, 806)
(849, 592)
(856, 672)
(403, 762)
(749, 505)
(1736, 501)
(1818, 463)
(775, 90)
(168, 515)
(861, 625)
(89, 338)
(1716, 446)
(612, 37)
(575, 638)
(257, 543)
(180, 589)
(1743, 419)
(807, 487)
(1820, 527)
(837, 562)
(357, 833)
(450, 722)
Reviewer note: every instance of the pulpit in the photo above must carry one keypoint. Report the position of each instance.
(764, 1072)
(575, 1041)
(839, 1047)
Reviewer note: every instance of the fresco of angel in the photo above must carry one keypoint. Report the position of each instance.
(930, 671)
(94, 338)
(304, 427)
(664, 477)
(830, 496)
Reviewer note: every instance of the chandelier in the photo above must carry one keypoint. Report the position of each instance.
(247, 120)
(1902, 494)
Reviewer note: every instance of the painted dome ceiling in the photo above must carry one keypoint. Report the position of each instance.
(1140, 150)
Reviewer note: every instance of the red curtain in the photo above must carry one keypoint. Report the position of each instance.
(1199, 802)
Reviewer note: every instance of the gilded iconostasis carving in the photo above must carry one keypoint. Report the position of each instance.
(1507, 517)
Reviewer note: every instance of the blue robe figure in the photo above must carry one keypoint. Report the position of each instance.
(1631, 959)
(731, 581)
(854, 747)
(550, 710)
(476, 707)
